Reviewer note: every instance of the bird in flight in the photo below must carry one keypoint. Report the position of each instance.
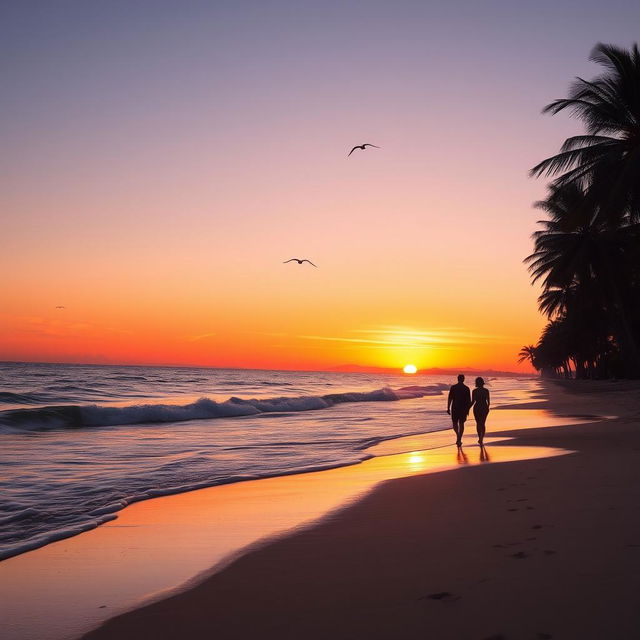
(60, 307)
(299, 261)
(362, 146)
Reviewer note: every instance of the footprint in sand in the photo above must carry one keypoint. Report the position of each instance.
(441, 595)
(520, 555)
(549, 552)
(537, 526)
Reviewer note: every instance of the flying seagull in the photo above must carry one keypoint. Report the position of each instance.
(60, 307)
(362, 146)
(299, 261)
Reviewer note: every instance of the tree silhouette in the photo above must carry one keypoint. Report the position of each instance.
(606, 159)
(587, 251)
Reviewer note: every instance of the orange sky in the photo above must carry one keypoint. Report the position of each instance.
(160, 171)
(409, 268)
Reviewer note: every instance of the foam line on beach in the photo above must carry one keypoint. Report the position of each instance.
(109, 512)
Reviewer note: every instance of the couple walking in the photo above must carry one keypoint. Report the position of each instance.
(460, 402)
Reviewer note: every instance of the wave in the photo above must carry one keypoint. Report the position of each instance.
(72, 387)
(75, 417)
(46, 537)
(52, 393)
(6, 397)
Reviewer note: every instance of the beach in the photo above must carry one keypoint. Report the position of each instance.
(156, 547)
(539, 548)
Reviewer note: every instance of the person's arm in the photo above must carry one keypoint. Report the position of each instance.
(449, 401)
(469, 403)
(488, 400)
(474, 398)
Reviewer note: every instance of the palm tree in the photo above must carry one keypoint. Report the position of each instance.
(528, 352)
(564, 248)
(586, 267)
(553, 350)
(606, 160)
(587, 253)
(571, 247)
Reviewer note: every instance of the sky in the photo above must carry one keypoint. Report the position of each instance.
(162, 159)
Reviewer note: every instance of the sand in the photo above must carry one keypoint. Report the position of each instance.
(543, 548)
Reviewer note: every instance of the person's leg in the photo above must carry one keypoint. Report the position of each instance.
(460, 429)
(454, 422)
(481, 419)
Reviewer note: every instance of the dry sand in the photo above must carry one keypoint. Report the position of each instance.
(544, 548)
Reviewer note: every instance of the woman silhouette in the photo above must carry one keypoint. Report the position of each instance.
(480, 402)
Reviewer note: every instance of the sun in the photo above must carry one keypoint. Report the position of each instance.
(410, 368)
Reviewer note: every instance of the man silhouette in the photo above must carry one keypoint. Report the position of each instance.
(458, 405)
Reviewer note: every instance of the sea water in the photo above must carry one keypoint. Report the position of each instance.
(80, 442)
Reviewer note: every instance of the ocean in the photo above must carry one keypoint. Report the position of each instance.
(80, 442)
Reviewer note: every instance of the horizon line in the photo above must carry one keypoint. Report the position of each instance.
(335, 369)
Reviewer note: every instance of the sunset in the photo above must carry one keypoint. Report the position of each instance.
(155, 187)
(320, 320)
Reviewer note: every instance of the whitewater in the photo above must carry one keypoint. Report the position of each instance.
(80, 442)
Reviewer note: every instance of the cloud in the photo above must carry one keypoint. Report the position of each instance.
(202, 336)
(449, 335)
(39, 326)
(394, 337)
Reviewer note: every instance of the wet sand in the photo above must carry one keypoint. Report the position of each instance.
(540, 548)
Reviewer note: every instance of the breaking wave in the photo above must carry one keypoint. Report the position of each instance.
(76, 417)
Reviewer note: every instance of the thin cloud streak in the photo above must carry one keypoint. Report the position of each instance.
(403, 337)
(445, 333)
(202, 336)
(39, 326)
